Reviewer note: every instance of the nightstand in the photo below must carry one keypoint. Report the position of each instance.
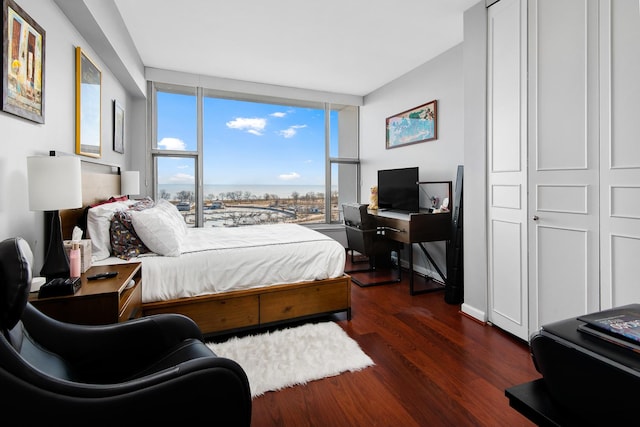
(101, 301)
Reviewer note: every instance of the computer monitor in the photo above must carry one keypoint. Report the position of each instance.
(398, 190)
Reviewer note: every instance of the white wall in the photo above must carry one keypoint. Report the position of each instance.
(22, 138)
(475, 192)
(440, 79)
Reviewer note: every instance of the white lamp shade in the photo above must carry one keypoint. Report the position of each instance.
(54, 183)
(130, 182)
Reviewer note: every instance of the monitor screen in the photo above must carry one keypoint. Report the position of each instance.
(398, 190)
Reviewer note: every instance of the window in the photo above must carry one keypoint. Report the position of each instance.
(178, 188)
(229, 159)
(177, 129)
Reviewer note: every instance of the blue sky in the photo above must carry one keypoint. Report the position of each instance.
(244, 142)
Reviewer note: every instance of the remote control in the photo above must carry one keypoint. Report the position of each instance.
(103, 275)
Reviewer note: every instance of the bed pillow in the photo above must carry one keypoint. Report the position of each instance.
(142, 204)
(98, 225)
(125, 243)
(158, 231)
(173, 212)
(111, 200)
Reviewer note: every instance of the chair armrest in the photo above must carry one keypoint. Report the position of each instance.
(361, 230)
(140, 338)
(220, 385)
(386, 228)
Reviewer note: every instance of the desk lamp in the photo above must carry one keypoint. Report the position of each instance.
(130, 183)
(54, 183)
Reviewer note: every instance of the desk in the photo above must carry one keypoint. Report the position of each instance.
(416, 228)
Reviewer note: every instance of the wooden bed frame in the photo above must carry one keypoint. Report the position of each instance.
(235, 310)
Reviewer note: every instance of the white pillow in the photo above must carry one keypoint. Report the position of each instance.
(98, 223)
(158, 231)
(172, 210)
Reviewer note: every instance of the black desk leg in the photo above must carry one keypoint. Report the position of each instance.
(444, 279)
(412, 291)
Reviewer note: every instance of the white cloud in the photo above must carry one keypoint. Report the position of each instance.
(278, 114)
(254, 126)
(289, 176)
(182, 178)
(291, 131)
(172, 144)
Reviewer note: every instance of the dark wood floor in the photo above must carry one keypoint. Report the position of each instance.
(433, 367)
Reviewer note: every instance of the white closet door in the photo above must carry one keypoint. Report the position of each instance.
(563, 160)
(620, 152)
(507, 166)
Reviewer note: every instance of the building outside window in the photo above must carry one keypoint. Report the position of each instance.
(231, 160)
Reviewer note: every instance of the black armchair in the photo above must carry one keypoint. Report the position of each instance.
(366, 238)
(147, 370)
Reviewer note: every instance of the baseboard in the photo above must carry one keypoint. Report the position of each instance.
(476, 314)
(420, 269)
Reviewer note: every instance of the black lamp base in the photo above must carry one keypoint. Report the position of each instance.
(56, 262)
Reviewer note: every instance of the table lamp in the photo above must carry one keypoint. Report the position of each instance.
(54, 183)
(130, 182)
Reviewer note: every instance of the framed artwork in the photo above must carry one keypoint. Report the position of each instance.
(88, 106)
(118, 127)
(418, 124)
(23, 42)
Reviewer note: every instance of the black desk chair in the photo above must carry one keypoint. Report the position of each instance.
(364, 237)
(146, 370)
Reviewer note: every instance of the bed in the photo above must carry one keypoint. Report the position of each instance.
(228, 279)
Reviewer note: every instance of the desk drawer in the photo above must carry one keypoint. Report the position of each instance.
(431, 227)
(420, 228)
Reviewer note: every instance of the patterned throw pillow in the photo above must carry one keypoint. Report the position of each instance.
(125, 243)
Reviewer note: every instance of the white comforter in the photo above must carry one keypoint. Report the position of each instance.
(221, 259)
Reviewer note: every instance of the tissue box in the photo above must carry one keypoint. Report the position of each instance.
(85, 253)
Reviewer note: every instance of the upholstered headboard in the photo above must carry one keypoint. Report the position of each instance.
(95, 187)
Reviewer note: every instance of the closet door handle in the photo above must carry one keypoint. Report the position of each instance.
(535, 218)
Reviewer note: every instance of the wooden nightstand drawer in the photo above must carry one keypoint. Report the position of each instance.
(131, 302)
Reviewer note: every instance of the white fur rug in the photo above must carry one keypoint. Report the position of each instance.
(286, 357)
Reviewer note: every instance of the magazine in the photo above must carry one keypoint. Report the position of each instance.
(623, 321)
(603, 335)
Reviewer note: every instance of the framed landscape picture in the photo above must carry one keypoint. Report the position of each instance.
(23, 42)
(418, 124)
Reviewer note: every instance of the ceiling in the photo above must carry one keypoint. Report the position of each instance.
(344, 46)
